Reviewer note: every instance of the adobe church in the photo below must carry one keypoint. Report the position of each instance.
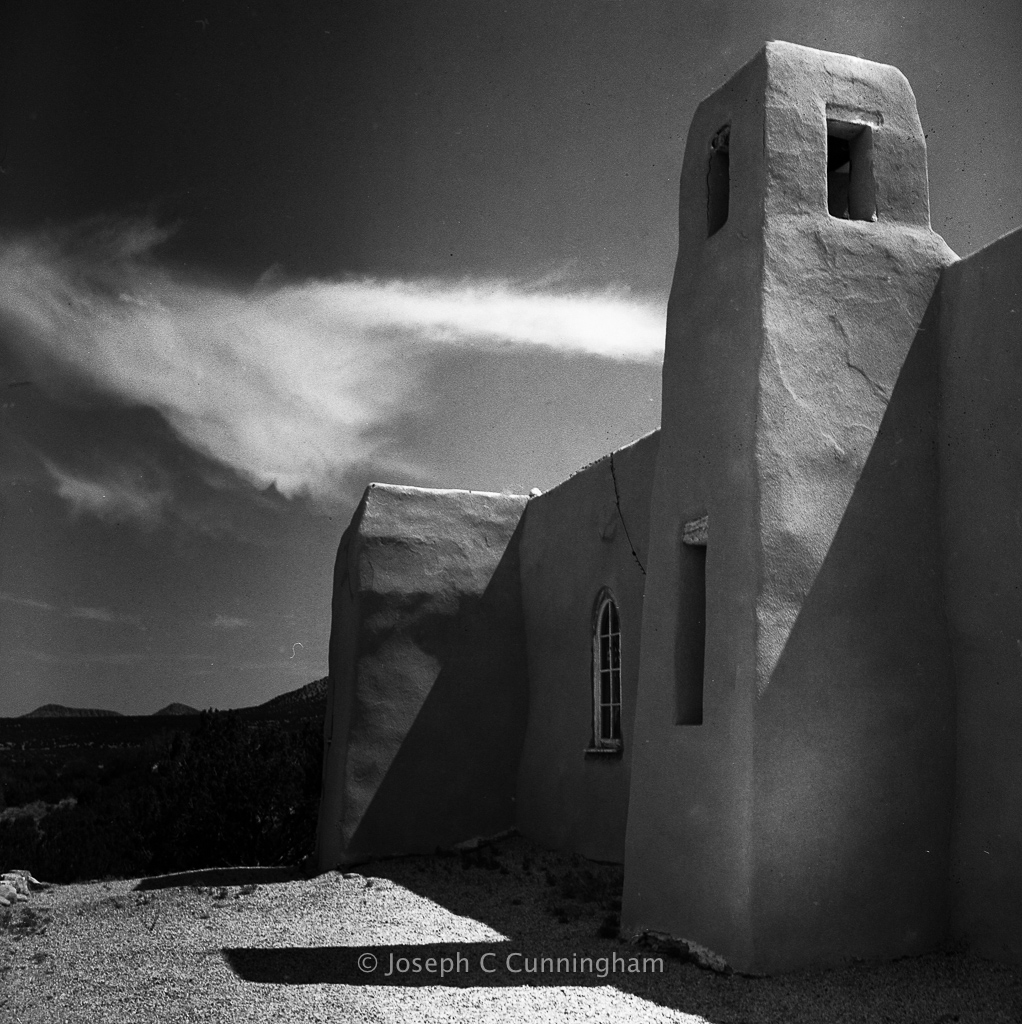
(769, 656)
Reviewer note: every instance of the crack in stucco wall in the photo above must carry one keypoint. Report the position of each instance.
(617, 502)
(876, 387)
(811, 410)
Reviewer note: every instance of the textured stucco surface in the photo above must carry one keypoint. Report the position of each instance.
(815, 561)
(981, 511)
(687, 836)
(428, 698)
(819, 781)
(588, 534)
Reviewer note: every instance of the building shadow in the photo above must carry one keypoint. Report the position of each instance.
(449, 964)
(222, 876)
(551, 905)
(547, 908)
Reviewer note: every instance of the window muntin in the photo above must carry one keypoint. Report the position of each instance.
(607, 676)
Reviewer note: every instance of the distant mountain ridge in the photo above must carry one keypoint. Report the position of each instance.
(302, 699)
(304, 695)
(177, 709)
(60, 711)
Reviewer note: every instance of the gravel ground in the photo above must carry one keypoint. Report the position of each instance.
(244, 945)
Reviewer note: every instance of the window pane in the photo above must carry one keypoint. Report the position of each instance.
(607, 674)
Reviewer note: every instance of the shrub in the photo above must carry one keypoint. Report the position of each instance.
(238, 792)
(229, 791)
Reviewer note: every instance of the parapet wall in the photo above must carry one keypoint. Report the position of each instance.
(428, 701)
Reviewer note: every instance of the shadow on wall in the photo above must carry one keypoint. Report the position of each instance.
(854, 758)
(454, 774)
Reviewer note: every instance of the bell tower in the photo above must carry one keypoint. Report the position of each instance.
(793, 766)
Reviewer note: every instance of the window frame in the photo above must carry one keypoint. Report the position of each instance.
(609, 741)
(853, 139)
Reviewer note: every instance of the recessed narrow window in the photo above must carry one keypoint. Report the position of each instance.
(607, 676)
(851, 189)
(718, 181)
(690, 642)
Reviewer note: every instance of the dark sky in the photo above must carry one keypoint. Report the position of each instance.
(253, 256)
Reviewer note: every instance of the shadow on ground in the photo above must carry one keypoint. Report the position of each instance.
(452, 964)
(558, 914)
(222, 876)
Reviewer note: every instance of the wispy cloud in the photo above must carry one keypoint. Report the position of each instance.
(230, 622)
(113, 495)
(105, 615)
(112, 658)
(27, 602)
(77, 612)
(286, 383)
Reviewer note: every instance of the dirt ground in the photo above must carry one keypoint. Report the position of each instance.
(504, 933)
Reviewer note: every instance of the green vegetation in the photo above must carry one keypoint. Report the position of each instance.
(223, 789)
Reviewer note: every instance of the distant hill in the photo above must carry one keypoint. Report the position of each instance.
(59, 711)
(305, 696)
(177, 709)
(309, 699)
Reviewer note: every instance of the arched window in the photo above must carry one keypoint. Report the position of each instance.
(607, 675)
